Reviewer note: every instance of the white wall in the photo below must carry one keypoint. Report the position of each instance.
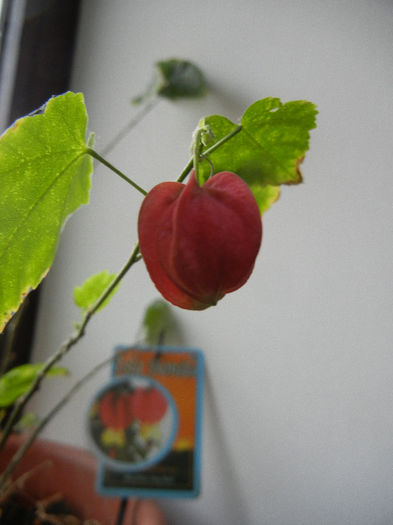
(298, 424)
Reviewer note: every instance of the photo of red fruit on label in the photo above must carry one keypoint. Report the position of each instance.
(132, 423)
(148, 405)
(115, 409)
(200, 242)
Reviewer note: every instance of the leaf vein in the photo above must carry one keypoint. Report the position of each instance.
(35, 204)
(267, 153)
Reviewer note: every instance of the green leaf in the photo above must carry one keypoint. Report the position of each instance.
(269, 148)
(265, 196)
(91, 290)
(158, 323)
(17, 381)
(180, 78)
(44, 177)
(175, 79)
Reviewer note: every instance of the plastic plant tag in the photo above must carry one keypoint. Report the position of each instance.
(145, 425)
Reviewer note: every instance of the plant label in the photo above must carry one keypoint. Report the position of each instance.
(145, 424)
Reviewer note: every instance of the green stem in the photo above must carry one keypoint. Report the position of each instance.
(103, 161)
(65, 347)
(131, 124)
(197, 148)
(207, 152)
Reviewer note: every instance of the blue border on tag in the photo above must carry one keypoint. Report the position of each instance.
(153, 492)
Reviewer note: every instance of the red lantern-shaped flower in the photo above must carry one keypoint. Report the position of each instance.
(200, 242)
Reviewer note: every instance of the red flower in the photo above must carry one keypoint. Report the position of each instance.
(200, 242)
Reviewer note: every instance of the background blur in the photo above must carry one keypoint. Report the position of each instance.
(298, 424)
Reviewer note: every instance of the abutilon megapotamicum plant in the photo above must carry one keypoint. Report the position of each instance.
(199, 239)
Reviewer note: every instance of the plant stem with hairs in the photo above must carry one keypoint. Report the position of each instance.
(65, 347)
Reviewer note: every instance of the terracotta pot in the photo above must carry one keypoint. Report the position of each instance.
(72, 472)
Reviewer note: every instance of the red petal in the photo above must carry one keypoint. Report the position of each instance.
(154, 223)
(216, 238)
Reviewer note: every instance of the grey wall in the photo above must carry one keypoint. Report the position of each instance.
(298, 425)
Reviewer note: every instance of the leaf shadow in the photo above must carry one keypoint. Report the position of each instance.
(232, 492)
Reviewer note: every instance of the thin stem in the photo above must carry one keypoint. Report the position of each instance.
(207, 152)
(197, 148)
(42, 424)
(65, 347)
(223, 140)
(97, 156)
(186, 171)
(121, 511)
(130, 125)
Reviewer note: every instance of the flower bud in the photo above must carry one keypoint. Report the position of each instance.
(200, 242)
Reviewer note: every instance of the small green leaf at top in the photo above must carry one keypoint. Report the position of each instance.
(44, 177)
(86, 295)
(268, 149)
(175, 79)
(18, 380)
(180, 78)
